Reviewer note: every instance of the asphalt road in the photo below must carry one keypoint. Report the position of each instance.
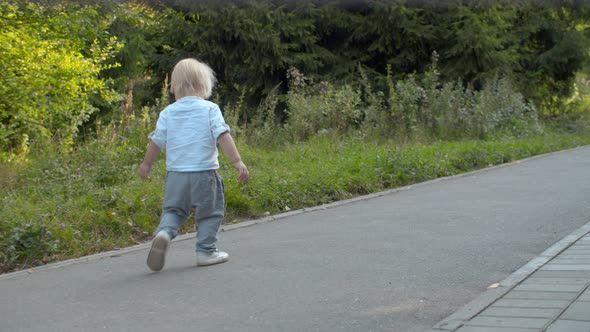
(402, 261)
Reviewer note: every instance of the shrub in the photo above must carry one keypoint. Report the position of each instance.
(47, 87)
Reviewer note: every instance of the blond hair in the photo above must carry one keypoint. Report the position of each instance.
(190, 77)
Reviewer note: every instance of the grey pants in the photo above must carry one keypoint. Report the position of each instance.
(202, 191)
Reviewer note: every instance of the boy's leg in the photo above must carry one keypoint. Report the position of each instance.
(170, 221)
(176, 206)
(209, 211)
(207, 234)
(174, 212)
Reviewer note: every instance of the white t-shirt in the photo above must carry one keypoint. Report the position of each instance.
(188, 130)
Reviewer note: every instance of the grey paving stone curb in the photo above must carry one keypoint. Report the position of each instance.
(144, 246)
(479, 304)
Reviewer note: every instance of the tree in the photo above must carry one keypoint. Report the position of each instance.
(552, 49)
(250, 45)
(480, 45)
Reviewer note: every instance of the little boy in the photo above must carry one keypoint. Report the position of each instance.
(188, 130)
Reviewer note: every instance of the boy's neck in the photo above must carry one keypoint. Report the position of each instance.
(188, 96)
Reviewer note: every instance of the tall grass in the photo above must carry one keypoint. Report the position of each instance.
(411, 109)
(337, 142)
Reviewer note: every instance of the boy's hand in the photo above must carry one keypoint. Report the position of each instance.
(148, 161)
(242, 170)
(229, 147)
(143, 171)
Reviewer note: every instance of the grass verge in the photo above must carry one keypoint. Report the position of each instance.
(60, 206)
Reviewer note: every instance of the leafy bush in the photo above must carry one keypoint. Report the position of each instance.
(27, 244)
(47, 85)
(313, 107)
(429, 108)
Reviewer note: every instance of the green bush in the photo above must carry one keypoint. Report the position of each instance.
(47, 86)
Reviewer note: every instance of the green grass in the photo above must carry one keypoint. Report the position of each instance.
(325, 170)
(58, 206)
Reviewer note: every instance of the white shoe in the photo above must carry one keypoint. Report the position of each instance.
(157, 256)
(211, 258)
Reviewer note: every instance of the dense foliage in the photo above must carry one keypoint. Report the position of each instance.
(69, 65)
(252, 44)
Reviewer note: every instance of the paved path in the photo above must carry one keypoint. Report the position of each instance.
(551, 293)
(397, 261)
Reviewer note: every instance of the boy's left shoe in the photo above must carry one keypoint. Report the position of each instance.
(211, 258)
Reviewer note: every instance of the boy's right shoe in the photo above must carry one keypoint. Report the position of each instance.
(211, 258)
(157, 256)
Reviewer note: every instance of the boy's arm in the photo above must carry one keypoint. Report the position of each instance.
(229, 147)
(148, 161)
